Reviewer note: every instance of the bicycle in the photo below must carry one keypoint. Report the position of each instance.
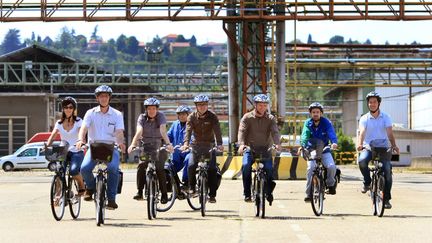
(63, 183)
(319, 175)
(102, 153)
(258, 187)
(378, 183)
(202, 184)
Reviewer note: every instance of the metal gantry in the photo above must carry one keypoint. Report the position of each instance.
(177, 10)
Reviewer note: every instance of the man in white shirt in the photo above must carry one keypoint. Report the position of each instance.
(376, 131)
(102, 123)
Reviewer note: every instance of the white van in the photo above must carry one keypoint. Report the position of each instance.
(29, 156)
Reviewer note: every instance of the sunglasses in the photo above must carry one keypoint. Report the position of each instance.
(68, 107)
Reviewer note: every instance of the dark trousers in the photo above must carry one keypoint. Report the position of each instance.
(160, 159)
(195, 156)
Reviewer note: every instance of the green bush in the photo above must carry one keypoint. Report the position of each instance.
(345, 143)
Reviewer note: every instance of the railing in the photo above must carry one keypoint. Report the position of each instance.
(160, 77)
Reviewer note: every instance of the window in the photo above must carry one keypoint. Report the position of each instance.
(31, 152)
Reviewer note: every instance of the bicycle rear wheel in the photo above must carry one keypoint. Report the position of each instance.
(317, 195)
(203, 193)
(57, 197)
(74, 199)
(379, 196)
(100, 199)
(172, 193)
(150, 196)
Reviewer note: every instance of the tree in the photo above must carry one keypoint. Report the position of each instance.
(121, 43)
(65, 40)
(94, 34)
(81, 42)
(309, 40)
(193, 41)
(11, 41)
(111, 50)
(132, 46)
(181, 38)
(368, 42)
(337, 39)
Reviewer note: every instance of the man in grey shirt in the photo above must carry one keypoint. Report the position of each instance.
(258, 130)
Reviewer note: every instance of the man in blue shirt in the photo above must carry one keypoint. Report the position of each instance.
(376, 131)
(176, 135)
(318, 127)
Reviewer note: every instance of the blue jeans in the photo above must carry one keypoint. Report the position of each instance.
(75, 159)
(363, 161)
(328, 162)
(180, 161)
(247, 172)
(113, 173)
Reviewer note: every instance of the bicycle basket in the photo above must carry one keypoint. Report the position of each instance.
(57, 152)
(102, 151)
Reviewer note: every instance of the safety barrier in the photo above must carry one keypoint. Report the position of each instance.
(345, 157)
(284, 168)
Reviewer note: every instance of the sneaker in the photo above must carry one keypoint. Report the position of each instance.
(331, 190)
(164, 198)
(139, 196)
(307, 199)
(192, 193)
(387, 205)
(365, 188)
(270, 199)
(248, 199)
(88, 195)
(212, 200)
(111, 205)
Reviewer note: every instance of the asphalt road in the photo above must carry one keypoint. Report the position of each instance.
(25, 215)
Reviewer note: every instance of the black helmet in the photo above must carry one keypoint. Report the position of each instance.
(373, 94)
(316, 105)
(69, 100)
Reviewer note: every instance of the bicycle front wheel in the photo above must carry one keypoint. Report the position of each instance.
(100, 200)
(255, 196)
(172, 193)
(262, 197)
(193, 200)
(379, 196)
(150, 185)
(57, 197)
(74, 199)
(203, 193)
(317, 195)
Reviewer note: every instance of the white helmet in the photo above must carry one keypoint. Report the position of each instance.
(201, 98)
(261, 98)
(103, 89)
(151, 102)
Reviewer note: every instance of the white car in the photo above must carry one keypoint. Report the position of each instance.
(29, 156)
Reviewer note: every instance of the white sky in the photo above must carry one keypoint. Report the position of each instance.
(377, 31)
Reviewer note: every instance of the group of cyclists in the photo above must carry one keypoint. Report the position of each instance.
(198, 133)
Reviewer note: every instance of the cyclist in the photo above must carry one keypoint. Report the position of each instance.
(68, 127)
(151, 128)
(204, 126)
(176, 135)
(319, 127)
(102, 122)
(376, 130)
(258, 129)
